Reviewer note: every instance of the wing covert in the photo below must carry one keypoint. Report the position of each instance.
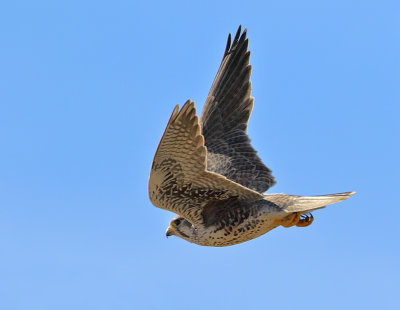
(179, 181)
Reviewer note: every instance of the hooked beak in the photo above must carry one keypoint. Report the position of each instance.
(169, 232)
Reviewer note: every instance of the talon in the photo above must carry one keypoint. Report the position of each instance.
(305, 220)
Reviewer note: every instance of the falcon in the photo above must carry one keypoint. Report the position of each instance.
(207, 172)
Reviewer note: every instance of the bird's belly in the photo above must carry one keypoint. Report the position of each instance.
(234, 234)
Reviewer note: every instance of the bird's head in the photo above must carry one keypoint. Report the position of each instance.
(181, 228)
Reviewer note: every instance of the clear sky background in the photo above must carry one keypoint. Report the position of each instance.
(86, 89)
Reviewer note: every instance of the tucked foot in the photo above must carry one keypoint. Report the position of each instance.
(290, 220)
(296, 219)
(305, 220)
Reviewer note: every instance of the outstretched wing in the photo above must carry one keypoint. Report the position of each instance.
(179, 181)
(224, 120)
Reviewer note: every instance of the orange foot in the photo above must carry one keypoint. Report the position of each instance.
(296, 219)
(305, 220)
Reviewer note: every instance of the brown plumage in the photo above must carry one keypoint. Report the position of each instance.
(208, 173)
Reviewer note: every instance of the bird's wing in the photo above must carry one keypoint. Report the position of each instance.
(224, 120)
(179, 181)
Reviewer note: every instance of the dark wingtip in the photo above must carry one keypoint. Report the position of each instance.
(238, 31)
(237, 35)
(228, 45)
(238, 39)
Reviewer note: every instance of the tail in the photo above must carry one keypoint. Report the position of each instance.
(306, 204)
(311, 203)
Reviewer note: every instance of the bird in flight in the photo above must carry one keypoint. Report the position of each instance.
(207, 172)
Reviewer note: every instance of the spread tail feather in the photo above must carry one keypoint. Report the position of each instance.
(304, 204)
(311, 203)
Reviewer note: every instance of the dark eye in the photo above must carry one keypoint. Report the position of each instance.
(177, 222)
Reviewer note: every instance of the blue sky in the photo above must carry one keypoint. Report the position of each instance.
(86, 89)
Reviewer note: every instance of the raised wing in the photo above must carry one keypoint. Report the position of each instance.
(224, 120)
(178, 179)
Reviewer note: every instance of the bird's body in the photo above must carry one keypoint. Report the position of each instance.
(208, 173)
(244, 221)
